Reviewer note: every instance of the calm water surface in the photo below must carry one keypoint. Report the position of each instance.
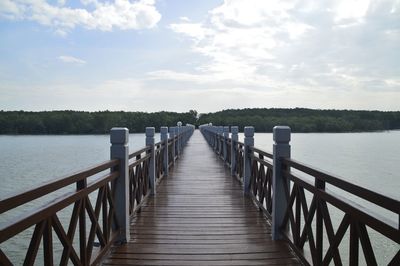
(30, 160)
(371, 159)
(367, 159)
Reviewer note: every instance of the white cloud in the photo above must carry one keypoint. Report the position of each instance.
(132, 94)
(71, 59)
(186, 19)
(194, 30)
(105, 16)
(355, 9)
(304, 45)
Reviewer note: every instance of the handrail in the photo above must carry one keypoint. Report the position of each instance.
(139, 161)
(139, 186)
(379, 223)
(45, 218)
(366, 194)
(261, 152)
(261, 161)
(31, 218)
(20, 198)
(261, 180)
(134, 154)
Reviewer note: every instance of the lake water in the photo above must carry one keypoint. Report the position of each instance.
(368, 159)
(371, 160)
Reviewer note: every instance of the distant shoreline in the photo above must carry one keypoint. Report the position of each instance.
(301, 120)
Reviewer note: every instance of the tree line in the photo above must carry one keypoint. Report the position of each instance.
(263, 119)
(305, 120)
(77, 122)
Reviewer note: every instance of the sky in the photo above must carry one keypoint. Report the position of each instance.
(178, 55)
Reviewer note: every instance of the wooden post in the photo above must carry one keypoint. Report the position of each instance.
(119, 138)
(234, 139)
(226, 136)
(281, 149)
(248, 142)
(164, 138)
(152, 171)
(172, 136)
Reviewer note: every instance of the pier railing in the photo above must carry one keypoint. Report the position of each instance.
(324, 218)
(98, 202)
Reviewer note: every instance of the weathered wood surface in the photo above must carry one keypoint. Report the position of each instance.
(200, 217)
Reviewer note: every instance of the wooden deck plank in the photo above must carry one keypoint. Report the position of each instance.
(199, 216)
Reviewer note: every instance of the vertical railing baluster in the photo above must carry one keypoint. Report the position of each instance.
(234, 146)
(281, 149)
(150, 131)
(82, 223)
(172, 137)
(105, 213)
(48, 244)
(296, 233)
(248, 143)
(215, 130)
(178, 150)
(225, 143)
(164, 140)
(353, 254)
(177, 136)
(319, 184)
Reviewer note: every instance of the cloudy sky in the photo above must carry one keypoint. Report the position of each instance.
(145, 55)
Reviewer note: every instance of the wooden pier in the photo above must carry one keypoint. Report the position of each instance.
(200, 197)
(199, 216)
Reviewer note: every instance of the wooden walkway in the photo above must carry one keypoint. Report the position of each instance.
(200, 217)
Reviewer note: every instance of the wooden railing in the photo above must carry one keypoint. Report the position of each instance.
(171, 155)
(100, 207)
(261, 180)
(159, 154)
(324, 218)
(312, 222)
(47, 225)
(238, 148)
(138, 178)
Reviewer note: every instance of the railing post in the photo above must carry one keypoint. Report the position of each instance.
(178, 128)
(172, 136)
(234, 139)
(210, 133)
(184, 134)
(279, 204)
(119, 138)
(177, 142)
(220, 134)
(164, 138)
(248, 142)
(215, 133)
(152, 171)
(226, 136)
